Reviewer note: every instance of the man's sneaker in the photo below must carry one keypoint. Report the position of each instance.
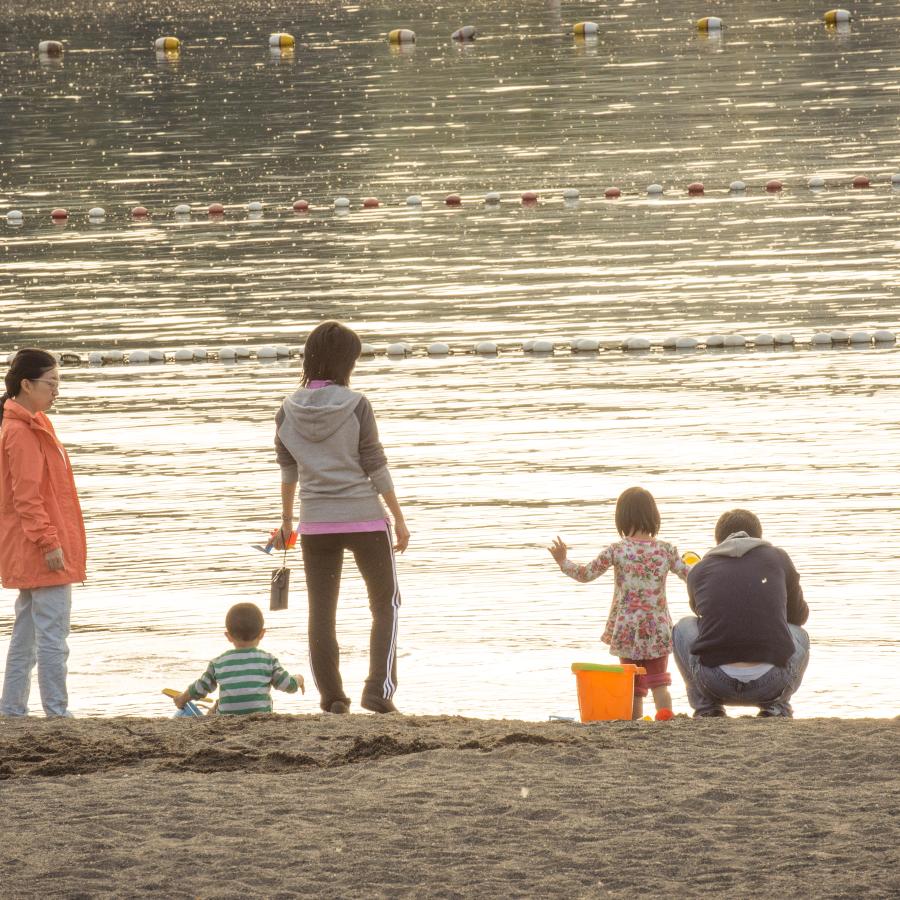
(339, 708)
(710, 714)
(773, 712)
(378, 704)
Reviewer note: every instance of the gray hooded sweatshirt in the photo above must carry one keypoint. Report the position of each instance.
(326, 438)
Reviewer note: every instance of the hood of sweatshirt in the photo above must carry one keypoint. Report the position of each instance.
(738, 544)
(317, 414)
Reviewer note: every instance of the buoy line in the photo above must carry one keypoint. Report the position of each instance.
(880, 338)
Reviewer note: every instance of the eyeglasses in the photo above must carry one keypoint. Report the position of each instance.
(53, 385)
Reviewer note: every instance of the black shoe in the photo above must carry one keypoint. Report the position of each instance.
(339, 708)
(378, 704)
(772, 712)
(711, 714)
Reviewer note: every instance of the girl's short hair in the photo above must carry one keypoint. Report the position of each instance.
(331, 352)
(636, 511)
(29, 364)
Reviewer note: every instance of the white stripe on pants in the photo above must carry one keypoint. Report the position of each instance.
(39, 636)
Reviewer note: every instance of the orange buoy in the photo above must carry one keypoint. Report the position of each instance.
(612, 192)
(530, 197)
(59, 214)
(696, 187)
(861, 181)
(453, 200)
(216, 209)
(140, 212)
(774, 186)
(371, 202)
(301, 205)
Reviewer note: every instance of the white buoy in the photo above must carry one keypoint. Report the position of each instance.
(737, 186)
(413, 200)
(784, 340)
(669, 342)
(709, 23)
(821, 339)
(341, 203)
(282, 352)
(51, 48)
(281, 40)
(402, 36)
(837, 17)
(300, 351)
(542, 345)
(167, 44)
(715, 340)
(585, 29)
(895, 179)
(687, 343)
(182, 210)
(840, 337)
(113, 356)
(861, 337)
(571, 194)
(227, 353)
(96, 212)
(266, 352)
(95, 358)
(138, 357)
(438, 348)
(635, 343)
(654, 189)
(466, 33)
(883, 336)
(200, 353)
(585, 345)
(254, 206)
(243, 352)
(399, 348)
(367, 350)
(15, 216)
(528, 346)
(492, 197)
(184, 354)
(817, 181)
(764, 340)
(486, 348)
(735, 340)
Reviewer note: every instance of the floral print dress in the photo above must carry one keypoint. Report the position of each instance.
(639, 624)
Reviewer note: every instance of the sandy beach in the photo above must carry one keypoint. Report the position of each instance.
(365, 806)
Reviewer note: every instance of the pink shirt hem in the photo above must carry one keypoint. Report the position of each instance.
(343, 527)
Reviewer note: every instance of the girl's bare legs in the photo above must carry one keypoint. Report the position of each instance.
(637, 708)
(662, 699)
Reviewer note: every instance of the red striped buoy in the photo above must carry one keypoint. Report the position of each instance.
(301, 205)
(453, 200)
(59, 214)
(216, 209)
(140, 212)
(696, 187)
(612, 192)
(861, 181)
(774, 186)
(371, 202)
(530, 197)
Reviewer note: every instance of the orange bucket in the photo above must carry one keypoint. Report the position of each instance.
(605, 692)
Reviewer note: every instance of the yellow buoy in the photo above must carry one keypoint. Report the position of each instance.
(402, 36)
(585, 29)
(837, 16)
(709, 23)
(281, 39)
(169, 44)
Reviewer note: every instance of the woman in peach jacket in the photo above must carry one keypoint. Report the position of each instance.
(42, 540)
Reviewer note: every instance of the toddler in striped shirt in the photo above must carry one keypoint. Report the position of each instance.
(246, 674)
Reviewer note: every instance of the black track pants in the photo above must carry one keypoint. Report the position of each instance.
(323, 558)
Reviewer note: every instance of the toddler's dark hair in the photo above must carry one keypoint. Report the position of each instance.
(244, 621)
(737, 520)
(636, 511)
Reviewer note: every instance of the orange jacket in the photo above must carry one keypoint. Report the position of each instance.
(39, 508)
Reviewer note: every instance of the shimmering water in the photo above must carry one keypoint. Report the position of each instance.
(492, 457)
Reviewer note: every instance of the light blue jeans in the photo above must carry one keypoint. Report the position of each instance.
(39, 636)
(709, 689)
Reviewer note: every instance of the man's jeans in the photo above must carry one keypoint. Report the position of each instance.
(709, 688)
(39, 636)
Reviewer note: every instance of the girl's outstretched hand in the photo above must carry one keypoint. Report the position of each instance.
(558, 550)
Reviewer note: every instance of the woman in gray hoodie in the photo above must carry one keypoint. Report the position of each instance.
(326, 440)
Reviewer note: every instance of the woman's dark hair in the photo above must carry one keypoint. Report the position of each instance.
(737, 520)
(244, 621)
(636, 511)
(28, 364)
(330, 354)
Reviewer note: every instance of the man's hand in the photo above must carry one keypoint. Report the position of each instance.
(55, 560)
(559, 551)
(300, 684)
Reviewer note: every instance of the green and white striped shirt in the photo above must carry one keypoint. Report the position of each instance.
(243, 677)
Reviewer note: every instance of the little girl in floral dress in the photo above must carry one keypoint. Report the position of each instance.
(639, 628)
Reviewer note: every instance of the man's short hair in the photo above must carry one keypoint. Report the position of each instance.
(737, 520)
(244, 621)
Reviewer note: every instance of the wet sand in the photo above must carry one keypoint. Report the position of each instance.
(365, 806)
